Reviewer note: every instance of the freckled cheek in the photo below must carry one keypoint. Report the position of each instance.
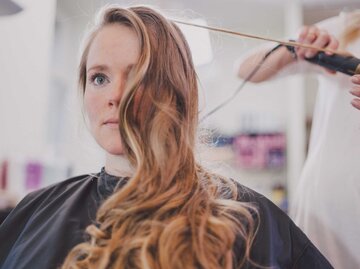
(92, 109)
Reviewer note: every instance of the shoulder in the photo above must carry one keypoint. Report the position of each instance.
(70, 184)
(54, 212)
(67, 186)
(263, 204)
(278, 241)
(57, 192)
(271, 219)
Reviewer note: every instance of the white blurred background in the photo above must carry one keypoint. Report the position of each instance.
(43, 138)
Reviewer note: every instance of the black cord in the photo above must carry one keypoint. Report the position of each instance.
(239, 88)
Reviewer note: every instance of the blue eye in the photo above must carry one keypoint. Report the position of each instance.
(99, 79)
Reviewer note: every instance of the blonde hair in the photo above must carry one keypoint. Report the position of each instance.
(172, 213)
(351, 30)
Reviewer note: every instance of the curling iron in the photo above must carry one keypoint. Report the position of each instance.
(348, 65)
(338, 61)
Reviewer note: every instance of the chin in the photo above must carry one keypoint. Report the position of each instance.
(111, 144)
(114, 151)
(113, 148)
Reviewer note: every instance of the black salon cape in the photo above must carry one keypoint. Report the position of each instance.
(47, 223)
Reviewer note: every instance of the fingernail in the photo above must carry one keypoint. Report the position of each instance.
(355, 103)
(355, 92)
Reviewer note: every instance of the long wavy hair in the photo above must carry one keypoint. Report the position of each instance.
(172, 213)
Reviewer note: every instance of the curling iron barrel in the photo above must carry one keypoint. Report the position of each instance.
(345, 64)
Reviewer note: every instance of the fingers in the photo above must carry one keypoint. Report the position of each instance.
(356, 103)
(307, 36)
(355, 90)
(332, 45)
(323, 40)
(319, 39)
(311, 35)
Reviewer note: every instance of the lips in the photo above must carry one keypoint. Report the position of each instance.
(111, 122)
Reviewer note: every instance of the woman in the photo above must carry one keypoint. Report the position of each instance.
(140, 95)
(329, 184)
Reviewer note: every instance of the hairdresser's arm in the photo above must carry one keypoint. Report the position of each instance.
(281, 58)
(355, 90)
(275, 62)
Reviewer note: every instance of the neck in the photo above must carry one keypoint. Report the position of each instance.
(118, 165)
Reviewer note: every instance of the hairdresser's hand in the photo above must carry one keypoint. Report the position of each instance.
(355, 90)
(311, 35)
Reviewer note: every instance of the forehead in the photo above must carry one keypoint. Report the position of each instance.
(114, 44)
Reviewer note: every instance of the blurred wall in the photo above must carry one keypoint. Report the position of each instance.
(25, 51)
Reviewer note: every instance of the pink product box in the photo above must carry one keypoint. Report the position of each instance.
(260, 151)
(33, 175)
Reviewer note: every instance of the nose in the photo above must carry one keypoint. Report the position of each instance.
(115, 93)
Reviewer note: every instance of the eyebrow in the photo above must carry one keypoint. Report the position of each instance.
(98, 67)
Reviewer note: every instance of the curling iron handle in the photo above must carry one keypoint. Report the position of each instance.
(346, 64)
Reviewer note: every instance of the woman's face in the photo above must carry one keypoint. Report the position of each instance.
(113, 52)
